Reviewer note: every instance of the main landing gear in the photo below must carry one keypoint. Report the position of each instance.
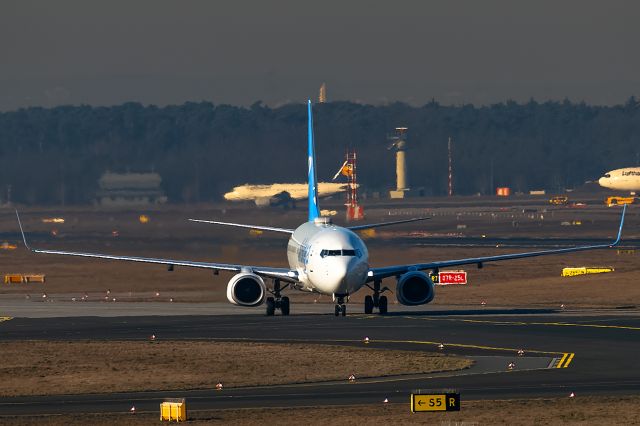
(341, 308)
(376, 301)
(277, 301)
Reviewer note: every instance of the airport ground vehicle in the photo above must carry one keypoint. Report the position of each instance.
(559, 200)
(616, 201)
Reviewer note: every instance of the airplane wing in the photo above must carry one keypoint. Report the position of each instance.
(240, 225)
(376, 274)
(284, 274)
(378, 225)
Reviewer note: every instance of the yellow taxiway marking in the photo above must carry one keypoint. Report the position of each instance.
(562, 360)
(565, 360)
(523, 323)
(568, 361)
(568, 356)
(463, 345)
(372, 341)
(5, 319)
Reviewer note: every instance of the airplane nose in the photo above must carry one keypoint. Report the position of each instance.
(336, 273)
(603, 181)
(340, 269)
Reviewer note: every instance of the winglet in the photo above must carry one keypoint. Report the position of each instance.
(24, 239)
(617, 241)
(314, 210)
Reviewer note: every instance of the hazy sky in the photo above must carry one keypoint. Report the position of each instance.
(156, 51)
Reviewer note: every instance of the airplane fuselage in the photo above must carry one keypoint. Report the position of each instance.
(627, 179)
(297, 191)
(329, 259)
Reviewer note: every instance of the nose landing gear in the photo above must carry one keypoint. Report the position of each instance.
(341, 308)
(376, 301)
(277, 301)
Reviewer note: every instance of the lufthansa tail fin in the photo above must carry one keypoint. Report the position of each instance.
(314, 209)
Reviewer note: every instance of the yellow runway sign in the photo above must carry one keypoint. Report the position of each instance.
(4, 319)
(584, 270)
(435, 402)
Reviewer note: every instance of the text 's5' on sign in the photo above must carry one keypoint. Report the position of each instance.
(435, 402)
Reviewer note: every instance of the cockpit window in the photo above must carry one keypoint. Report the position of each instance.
(607, 175)
(324, 253)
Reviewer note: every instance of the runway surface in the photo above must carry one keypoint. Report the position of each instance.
(586, 352)
(61, 305)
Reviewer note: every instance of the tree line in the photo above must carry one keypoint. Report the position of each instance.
(201, 150)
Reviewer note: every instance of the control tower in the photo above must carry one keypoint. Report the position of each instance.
(399, 145)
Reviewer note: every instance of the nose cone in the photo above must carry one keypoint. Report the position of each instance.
(356, 274)
(604, 182)
(334, 280)
(338, 270)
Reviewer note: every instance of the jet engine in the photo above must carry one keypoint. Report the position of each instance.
(246, 289)
(414, 288)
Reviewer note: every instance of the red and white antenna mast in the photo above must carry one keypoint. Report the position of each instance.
(450, 169)
(354, 210)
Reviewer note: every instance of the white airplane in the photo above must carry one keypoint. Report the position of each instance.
(279, 193)
(627, 179)
(327, 259)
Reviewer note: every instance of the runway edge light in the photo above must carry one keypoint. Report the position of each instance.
(444, 400)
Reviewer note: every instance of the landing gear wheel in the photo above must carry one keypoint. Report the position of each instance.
(368, 304)
(271, 306)
(382, 305)
(376, 301)
(284, 306)
(341, 308)
(277, 302)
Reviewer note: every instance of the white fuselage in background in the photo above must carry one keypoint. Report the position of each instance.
(627, 179)
(297, 191)
(329, 259)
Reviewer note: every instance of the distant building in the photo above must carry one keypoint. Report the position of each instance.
(130, 189)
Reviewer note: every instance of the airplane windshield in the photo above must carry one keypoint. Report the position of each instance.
(607, 175)
(325, 253)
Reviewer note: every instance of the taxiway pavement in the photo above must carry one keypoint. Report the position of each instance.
(586, 352)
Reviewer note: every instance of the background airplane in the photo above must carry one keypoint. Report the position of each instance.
(277, 194)
(327, 259)
(627, 179)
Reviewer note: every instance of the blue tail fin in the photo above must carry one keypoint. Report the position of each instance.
(314, 210)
